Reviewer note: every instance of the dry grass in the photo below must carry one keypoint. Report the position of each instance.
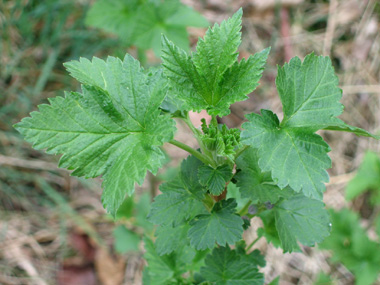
(40, 220)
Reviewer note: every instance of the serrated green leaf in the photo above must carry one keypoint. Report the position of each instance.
(125, 240)
(290, 150)
(367, 178)
(256, 185)
(309, 92)
(294, 156)
(225, 267)
(212, 78)
(181, 198)
(221, 226)
(255, 257)
(301, 219)
(113, 128)
(238, 81)
(351, 246)
(269, 231)
(215, 179)
(170, 238)
(217, 51)
(167, 269)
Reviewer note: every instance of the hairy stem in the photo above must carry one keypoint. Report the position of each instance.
(253, 243)
(194, 152)
(197, 133)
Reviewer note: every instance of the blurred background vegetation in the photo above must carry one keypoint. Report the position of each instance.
(53, 228)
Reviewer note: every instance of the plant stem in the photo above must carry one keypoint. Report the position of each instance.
(194, 152)
(253, 243)
(244, 210)
(240, 151)
(197, 133)
(191, 126)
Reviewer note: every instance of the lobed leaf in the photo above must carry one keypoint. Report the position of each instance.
(181, 198)
(226, 266)
(113, 128)
(215, 179)
(301, 219)
(309, 92)
(256, 185)
(221, 226)
(212, 78)
(290, 150)
(295, 157)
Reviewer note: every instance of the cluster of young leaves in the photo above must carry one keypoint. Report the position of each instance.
(141, 22)
(116, 126)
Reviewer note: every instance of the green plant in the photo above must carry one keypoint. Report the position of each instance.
(141, 22)
(349, 242)
(271, 169)
(351, 246)
(367, 178)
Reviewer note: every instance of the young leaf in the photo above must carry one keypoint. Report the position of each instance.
(218, 50)
(215, 179)
(221, 226)
(225, 266)
(303, 219)
(256, 185)
(212, 78)
(295, 156)
(113, 128)
(181, 198)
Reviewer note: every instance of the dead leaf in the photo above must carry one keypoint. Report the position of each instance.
(110, 269)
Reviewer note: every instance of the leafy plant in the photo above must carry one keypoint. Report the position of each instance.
(141, 22)
(349, 242)
(273, 170)
(351, 246)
